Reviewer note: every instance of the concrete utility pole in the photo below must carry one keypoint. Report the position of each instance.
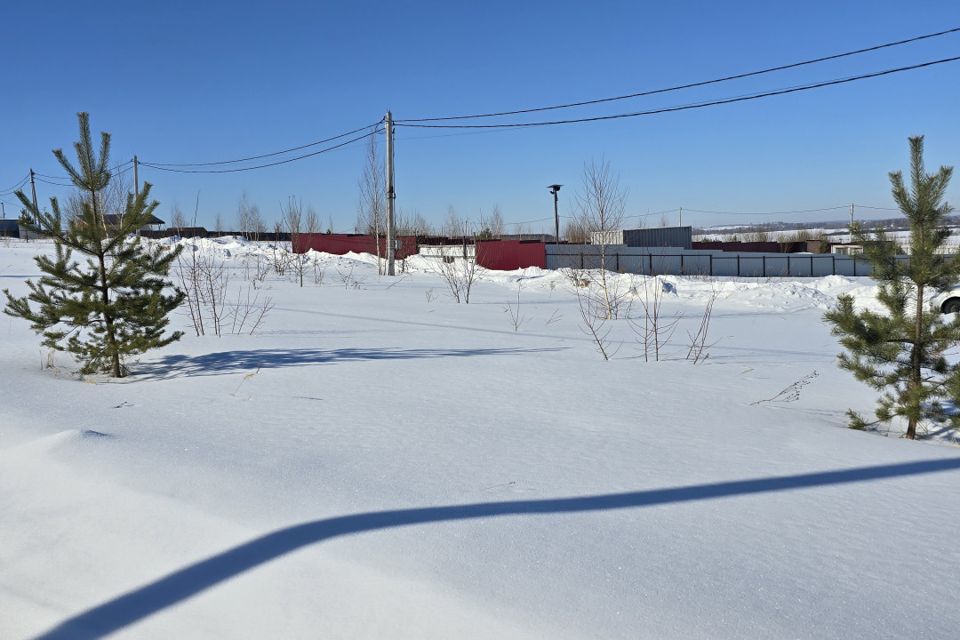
(391, 196)
(680, 223)
(851, 214)
(33, 189)
(3, 208)
(136, 177)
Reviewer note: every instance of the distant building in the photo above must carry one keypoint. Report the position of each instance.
(113, 220)
(679, 237)
(9, 229)
(846, 249)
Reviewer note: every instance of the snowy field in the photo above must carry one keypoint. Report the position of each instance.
(377, 461)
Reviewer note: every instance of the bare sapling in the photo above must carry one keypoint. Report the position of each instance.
(214, 282)
(600, 209)
(653, 330)
(513, 311)
(279, 256)
(347, 278)
(594, 322)
(293, 219)
(188, 275)
(698, 351)
(371, 208)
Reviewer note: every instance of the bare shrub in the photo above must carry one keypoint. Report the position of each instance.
(248, 311)
(653, 330)
(347, 277)
(318, 274)
(594, 322)
(459, 274)
(293, 219)
(513, 311)
(698, 351)
(211, 305)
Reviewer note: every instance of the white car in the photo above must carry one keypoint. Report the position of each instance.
(946, 301)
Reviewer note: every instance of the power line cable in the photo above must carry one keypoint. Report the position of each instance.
(764, 213)
(17, 186)
(116, 169)
(52, 182)
(686, 107)
(157, 165)
(691, 85)
(262, 166)
(866, 206)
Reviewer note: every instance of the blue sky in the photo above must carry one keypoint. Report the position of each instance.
(201, 81)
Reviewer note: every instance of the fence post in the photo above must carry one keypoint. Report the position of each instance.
(711, 265)
(763, 268)
(738, 265)
(581, 259)
(834, 258)
(788, 265)
(854, 266)
(650, 272)
(618, 261)
(681, 264)
(811, 265)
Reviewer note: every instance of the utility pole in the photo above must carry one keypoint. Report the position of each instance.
(851, 215)
(33, 188)
(3, 208)
(391, 196)
(136, 177)
(681, 217)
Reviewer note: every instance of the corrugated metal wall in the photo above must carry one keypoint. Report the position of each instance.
(340, 243)
(659, 237)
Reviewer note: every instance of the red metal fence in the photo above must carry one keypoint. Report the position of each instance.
(340, 243)
(506, 255)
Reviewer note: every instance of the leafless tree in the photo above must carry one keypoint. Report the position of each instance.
(249, 219)
(496, 222)
(293, 218)
(454, 226)
(177, 218)
(371, 211)
(415, 225)
(312, 221)
(575, 233)
(600, 209)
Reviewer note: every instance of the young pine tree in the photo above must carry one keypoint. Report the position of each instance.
(901, 352)
(113, 306)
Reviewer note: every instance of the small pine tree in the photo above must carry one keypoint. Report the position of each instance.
(901, 352)
(114, 306)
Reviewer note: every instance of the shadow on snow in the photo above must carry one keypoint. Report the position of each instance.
(239, 361)
(184, 583)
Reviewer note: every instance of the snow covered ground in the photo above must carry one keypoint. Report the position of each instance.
(379, 462)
